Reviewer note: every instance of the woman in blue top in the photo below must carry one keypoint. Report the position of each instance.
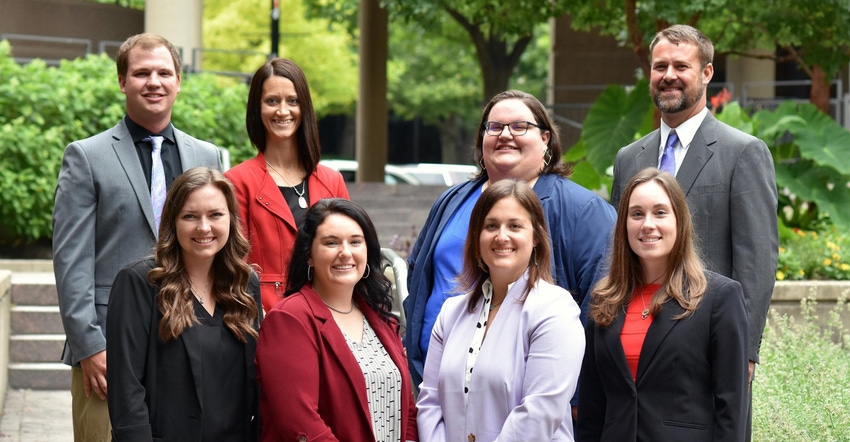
(518, 140)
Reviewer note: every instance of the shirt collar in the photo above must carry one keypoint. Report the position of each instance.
(686, 131)
(138, 133)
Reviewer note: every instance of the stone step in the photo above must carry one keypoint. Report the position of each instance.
(36, 319)
(34, 288)
(40, 376)
(36, 348)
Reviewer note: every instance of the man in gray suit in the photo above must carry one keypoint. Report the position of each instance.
(103, 218)
(727, 175)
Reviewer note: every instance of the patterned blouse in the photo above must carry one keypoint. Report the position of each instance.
(383, 384)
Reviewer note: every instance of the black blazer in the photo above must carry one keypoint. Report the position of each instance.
(691, 379)
(147, 378)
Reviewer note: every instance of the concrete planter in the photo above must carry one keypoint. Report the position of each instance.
(788, 294)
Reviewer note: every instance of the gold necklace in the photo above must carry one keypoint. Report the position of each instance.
(645, 311)
(302, 202)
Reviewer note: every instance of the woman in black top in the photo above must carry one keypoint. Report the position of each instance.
(183, 331)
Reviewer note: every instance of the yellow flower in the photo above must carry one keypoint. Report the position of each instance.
(801, 272)
(782, 250)
(832, 245)
(827, 262)
(845, 267)
(815, 235)
(780, 275)
(836, 256)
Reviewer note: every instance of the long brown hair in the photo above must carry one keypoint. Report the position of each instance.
(541, 118)
(471, 279)
(685, 271)
(230, 271)
(309, 148)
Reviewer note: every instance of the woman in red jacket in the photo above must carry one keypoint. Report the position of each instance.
(277, 187)
(329, 358)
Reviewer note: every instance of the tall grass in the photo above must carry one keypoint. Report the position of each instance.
(801, 391)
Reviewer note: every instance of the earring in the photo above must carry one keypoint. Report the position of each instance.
(368, 272)
(481, 163)
(547, 157)
(309, 273)
(534, 255)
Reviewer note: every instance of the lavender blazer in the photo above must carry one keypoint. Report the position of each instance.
(525, 374)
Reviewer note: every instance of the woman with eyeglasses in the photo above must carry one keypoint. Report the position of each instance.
(517, 139)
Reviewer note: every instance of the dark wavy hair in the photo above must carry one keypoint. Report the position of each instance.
(475, 271)
(309, 148)
(685, 273)
(230, 271)
(148, 42)
(376, 290)
(541, 118)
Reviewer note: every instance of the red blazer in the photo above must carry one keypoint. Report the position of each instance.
(267, 221)
(311, 386)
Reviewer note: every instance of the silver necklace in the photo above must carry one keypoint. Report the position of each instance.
(340, 311)
(203, 296)
(302, 202)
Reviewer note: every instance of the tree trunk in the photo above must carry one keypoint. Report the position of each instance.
(819, 95)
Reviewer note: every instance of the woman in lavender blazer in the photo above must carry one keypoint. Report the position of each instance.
(504, 360)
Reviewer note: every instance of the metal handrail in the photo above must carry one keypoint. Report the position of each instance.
(391, 259)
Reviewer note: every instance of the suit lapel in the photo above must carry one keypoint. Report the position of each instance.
(269, 196)
(614, 345)
(186, 149)
(661, 326)
(699, 152)
(647, 156)
(125, 150)
(339, 350)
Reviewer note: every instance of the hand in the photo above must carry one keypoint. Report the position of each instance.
(752, 368)
(94, 374)
(575, 413)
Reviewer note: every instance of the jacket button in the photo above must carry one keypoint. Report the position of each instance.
(471, 437)
(302, 438)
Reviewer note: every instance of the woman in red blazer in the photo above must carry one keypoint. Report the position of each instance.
(277, 186)
(666, 354)
(330, 363)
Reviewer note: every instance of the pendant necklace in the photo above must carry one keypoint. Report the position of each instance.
(645, 311)
(302, 202)
(203, 296)
(493, 306)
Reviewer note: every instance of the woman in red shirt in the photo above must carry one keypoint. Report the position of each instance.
(666, 339)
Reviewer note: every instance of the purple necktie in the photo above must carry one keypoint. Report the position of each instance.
(157, 180)
(668, 159)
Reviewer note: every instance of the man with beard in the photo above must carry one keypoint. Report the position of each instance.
(727, 175)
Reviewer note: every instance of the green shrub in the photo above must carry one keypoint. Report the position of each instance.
(821, 254)
(801, 391)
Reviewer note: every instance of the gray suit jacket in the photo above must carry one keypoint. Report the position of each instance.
(730, 183)
(102, 221)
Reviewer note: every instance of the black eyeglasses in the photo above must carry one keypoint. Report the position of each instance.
(516, 128)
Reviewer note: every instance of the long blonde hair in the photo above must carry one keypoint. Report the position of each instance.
(685, 273)
(231, 273)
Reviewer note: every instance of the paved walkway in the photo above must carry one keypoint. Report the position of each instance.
(36, 416)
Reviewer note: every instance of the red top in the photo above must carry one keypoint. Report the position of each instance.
(267, 221)
(636, 325)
